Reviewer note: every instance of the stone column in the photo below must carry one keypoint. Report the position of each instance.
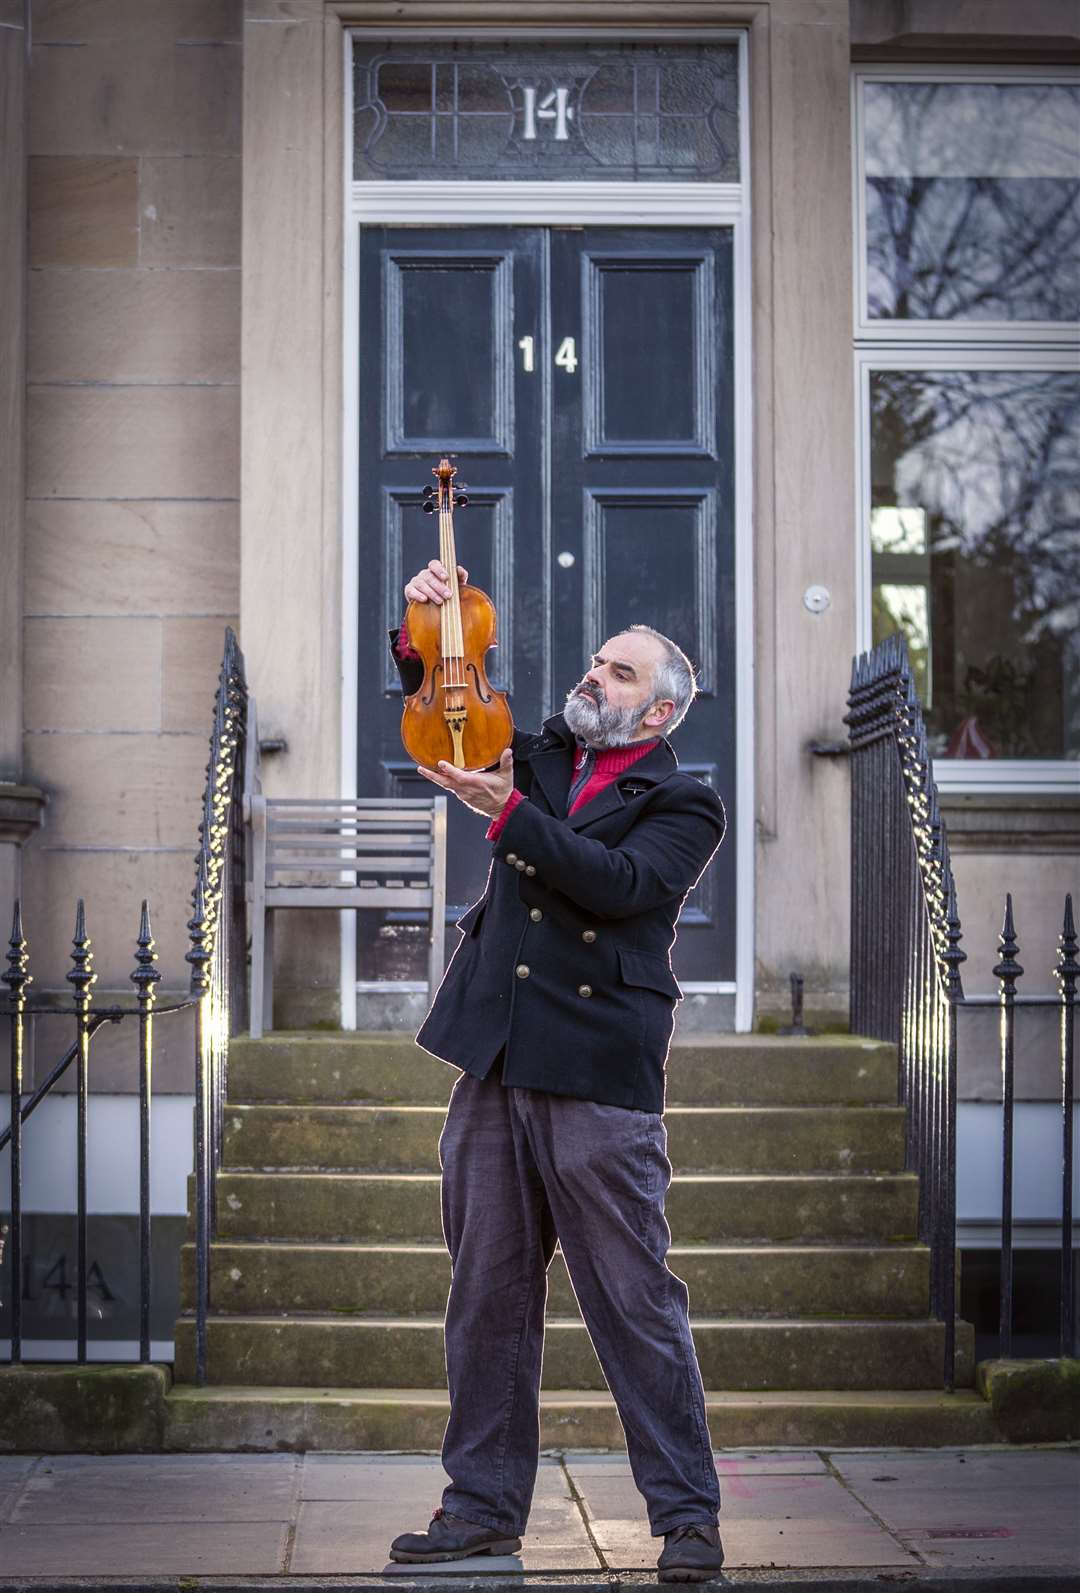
(20, 805)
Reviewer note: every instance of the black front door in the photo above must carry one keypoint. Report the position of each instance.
(583, 379)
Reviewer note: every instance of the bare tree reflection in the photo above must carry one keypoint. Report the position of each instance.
(993, 459)
(973, 201)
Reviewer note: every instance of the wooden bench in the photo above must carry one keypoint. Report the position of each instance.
(360, 852)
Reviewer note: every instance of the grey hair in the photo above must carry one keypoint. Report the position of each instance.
(675, 679)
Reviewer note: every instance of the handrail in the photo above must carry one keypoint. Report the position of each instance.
(217, 956)
(905, 975)
(218, 993)
(905, 941)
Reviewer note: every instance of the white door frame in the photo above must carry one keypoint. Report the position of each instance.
(669, 204)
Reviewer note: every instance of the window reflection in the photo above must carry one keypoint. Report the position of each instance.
(975, 537)
(973, 201)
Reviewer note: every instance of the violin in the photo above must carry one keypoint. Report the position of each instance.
(455, 714)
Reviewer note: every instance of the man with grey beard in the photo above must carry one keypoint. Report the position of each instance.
(558, 1007)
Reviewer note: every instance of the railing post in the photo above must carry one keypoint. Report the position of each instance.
(199, 957)
(144, 977)
(1066, 973)
(17, 978)
(1007, 971)
(82, 978)
(954, 994)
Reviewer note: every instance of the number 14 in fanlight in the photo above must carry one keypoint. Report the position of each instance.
(565, 355)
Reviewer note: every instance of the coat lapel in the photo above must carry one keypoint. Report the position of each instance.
(553, 767)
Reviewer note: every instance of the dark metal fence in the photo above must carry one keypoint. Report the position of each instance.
(217, 992)
(905, 972)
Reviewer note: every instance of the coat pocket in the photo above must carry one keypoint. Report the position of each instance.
(646, 970)
(469, 922)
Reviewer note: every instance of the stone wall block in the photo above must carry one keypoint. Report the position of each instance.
(169, 442)
(113, 885)
(189, 210)
(192, 651)
(69, 21)
(134, 326)
(83, 211)
(139, 95)
(93, 674)
(140, 557)
(114, 1051)
(108, 790)
(1038, 884)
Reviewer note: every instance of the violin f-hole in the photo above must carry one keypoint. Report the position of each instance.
(471, 668)
(435, 673)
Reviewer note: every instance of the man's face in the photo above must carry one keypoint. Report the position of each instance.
(613, 703)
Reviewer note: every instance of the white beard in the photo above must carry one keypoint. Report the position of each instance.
(598, 723)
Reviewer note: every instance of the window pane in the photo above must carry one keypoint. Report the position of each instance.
(973, 201)
(571, 111)
(975, 552)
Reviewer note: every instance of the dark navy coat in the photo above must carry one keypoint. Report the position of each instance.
(566, 958)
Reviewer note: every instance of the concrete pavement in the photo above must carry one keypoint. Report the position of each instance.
(790, 1517)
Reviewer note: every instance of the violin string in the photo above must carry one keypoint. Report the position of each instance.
(453, 640)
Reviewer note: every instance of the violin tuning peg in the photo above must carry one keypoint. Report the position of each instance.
(428, 506)
(460, 500)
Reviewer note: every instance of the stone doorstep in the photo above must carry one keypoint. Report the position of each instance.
(717, 1208)
(708, 1070)
(127, 1409)
(762, 1354)
(736, 1139)
(724, 1280)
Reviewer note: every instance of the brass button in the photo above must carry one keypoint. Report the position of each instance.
(530, 871)
(588, 935)
(511, 857)
(584, 990)
(535, 914)
(522, 970)
(520, 864)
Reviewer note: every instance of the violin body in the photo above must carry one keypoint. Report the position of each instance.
(456, 716)
(489, 725)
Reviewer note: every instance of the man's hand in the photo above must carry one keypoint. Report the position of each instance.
(484, 793)
(429, 585)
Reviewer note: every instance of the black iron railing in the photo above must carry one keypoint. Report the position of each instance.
(905, 941)
(905, 973)
(217, 992)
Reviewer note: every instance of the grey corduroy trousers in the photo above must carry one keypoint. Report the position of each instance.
(521, 1168)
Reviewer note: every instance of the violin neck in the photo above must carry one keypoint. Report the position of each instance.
(453, 644)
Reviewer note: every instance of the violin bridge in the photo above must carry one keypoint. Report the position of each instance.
(456, 725)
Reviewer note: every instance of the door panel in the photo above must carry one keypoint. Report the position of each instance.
(599, 463)
(643, 493)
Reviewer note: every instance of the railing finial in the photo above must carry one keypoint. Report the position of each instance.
(81, 974)
(144, 975)
(1008, 970)
(18, 957)
(1067, 968)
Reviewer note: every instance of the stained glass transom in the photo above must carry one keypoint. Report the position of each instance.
(560, 111)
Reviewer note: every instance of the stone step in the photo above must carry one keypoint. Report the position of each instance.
(216, 1418)
(703, 1070)
(402, 1352)
(712, 1207)
(735, 1280)
(862, 1139)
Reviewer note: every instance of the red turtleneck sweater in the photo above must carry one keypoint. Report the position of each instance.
(610, 763)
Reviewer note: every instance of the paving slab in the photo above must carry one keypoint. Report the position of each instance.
(794, 1519)
(144, 1548)
(395, 1478)
(395, 1496)
(1011, 1508)
(146, 1488)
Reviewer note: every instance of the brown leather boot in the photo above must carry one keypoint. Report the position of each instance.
(449, 1537)
(691, 1554)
